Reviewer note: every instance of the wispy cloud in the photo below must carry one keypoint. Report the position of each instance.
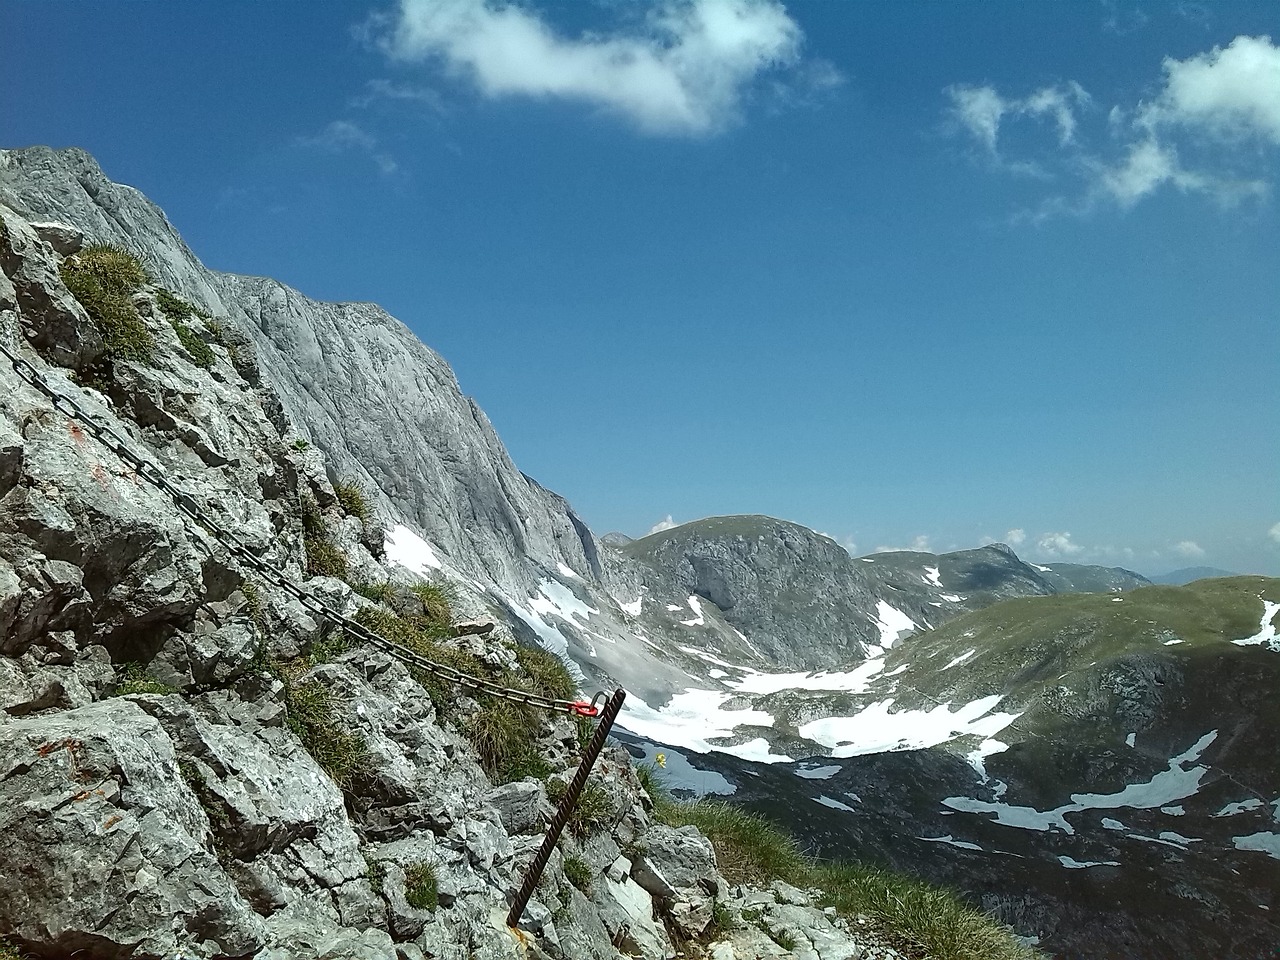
(683, 70)
(1274, 533)
(1189, 549)
(386, 91)
(1213, 103)
(343, 136)
(919, 545)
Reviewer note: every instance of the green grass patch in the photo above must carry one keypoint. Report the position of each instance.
(354, 500)
(9, 952)
(133, 679)
(104, 279)
(421, 888)
(174, 307)
(594, 810)
(310, 714)
(201, 353)
(578, 872)
(377, 592)
(324, 559)
(917, 917)
(437, 601)
(547, 674)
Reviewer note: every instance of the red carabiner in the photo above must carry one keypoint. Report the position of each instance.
(584, 708)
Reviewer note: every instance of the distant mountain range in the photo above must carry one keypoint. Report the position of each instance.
(1191, 574)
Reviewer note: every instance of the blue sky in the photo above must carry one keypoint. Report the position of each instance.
(908, 273)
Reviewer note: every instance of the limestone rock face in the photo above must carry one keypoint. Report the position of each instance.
(103, 846)
(428, 452)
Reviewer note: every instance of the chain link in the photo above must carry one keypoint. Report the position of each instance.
(248, 556)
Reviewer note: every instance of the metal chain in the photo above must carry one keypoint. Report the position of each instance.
(249, 557)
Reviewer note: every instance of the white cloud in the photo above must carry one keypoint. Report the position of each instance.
(666, 523)
(1058, 545)
(1232, 94)
(683, 70)
(1274, 533)
(385, 90)
(1189, 549)
(1015, 537)
(1211, 102)
(342, 136)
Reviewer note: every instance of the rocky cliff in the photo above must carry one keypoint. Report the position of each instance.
(193, 762)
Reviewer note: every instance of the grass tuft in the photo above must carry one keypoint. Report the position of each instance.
(201, 353)
(578, 872)
(594, 810)
(421, 888)
(437, 601)
(548, 676)
(133, 679)
(354, 500)
(104, 279)
(310, 714)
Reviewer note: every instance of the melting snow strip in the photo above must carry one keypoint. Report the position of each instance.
(567, 571)
(1267, 634)
(1071, 864)
(404, 547)
(834, 804)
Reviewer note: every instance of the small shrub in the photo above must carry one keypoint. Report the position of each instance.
(420, 886)
(354, 500)
(9, 952)
(578, 872)
(375, 871)
(133, 679)
(104, 279)
(174, 307)
(201, 353)
(215, 328)
(300, 444)
(309, 713)
(721, 920)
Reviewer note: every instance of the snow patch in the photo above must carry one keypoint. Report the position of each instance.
(673, 607)
(556, 598)
(1161, 790)
(1242, 806)
(1130, 739)
(698, 620)
(567, 571)
(960, 659)
(715, 673)
(817, 773)
(834, 804)
(693, 718)
(1170, 643)
(892, 622)
(1173, 811)
(1268, 843)
(948, 839)
(951, 597)
(896, 670)
(876, 730)
(404, 547)
(1265, 636)
(857, 680)
(985, 749)
(632, 609)
(1109, 824)
(1042, 569)
(1071, 864)
(931, 576)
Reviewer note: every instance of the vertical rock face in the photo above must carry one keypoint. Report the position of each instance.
(382, 406)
